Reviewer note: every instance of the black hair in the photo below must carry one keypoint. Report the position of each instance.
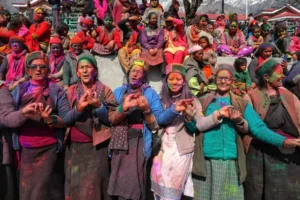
(61, 28)
(166, 96)
(238, 63)
(207, 40)
(15, 24)
(256, 27)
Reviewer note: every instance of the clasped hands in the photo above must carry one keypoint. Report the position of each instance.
(33, 109)
(88, 99)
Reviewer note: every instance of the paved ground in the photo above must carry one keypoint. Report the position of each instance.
(112, 74)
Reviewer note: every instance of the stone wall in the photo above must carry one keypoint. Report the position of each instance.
(111, 73)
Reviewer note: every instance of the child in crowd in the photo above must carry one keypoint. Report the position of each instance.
(255, 40)
(62, 32)
(242, 79)
(209, 55)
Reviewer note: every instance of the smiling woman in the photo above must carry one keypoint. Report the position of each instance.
(280, 110)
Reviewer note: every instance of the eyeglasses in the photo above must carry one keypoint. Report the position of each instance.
(34, 67)
(226, 79)
(136, 71)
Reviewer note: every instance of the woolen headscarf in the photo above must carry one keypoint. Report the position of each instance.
(89, 22)
(18, 39)
(76, 40)
(175, 67)
(55, 40)
(36, 55)
(264, 67)
(90, 58)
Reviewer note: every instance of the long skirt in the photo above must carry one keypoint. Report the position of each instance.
(273, 173)
(8, 173)
(41, 174)
(246, 51)
(221, 182)
(128, 171)
(86, 171)
(171, 172)
(152, 60)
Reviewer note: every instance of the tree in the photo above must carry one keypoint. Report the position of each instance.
(191, 7)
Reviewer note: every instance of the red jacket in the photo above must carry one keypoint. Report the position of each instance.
(88, 41)
(41, 31)
(105, 37)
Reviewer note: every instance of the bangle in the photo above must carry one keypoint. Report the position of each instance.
(240, 123)
(120, 108)
(147, 112)
(49, 123)
(220, 114)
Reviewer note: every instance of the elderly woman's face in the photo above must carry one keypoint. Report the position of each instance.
(136, 74)
(275, 80)
(175, 82)
(56, 49)
(224, 81)
(86, 72)
(38, 70)
(16, 46)
(198, 55)
(77, 48)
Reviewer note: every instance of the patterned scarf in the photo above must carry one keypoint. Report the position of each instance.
(38, 89)
(56, 62)
(16, 65)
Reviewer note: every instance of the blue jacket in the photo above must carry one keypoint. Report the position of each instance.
(163, 117)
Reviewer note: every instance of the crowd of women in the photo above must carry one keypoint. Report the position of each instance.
(215, 132)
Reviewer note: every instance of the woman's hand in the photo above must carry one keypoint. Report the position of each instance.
(83, 102)
(130, 101)
(151, 51)
(143, 103)
(111, 45)
(190, 112)
(45, 112)
(284, 65)
(182, 104)
(30, 110)
(235, 115)
(224, 111)
(291, 143)
(93, 100)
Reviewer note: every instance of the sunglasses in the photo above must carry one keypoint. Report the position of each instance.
(34, 67)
